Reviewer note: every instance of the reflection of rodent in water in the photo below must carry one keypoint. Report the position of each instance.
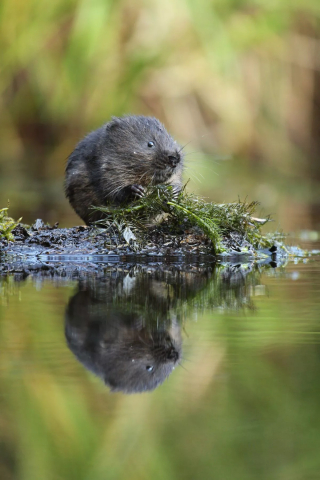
(116, 346)
(114, 164)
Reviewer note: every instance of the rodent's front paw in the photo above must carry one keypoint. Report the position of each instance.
(137, 190)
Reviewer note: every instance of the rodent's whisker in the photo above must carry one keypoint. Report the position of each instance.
(191, 153)
(210, 167)
(179, 151)
(194, 175)
(152, 179)
(114, 191)
(184, 368)
(143, 175)
(193, 170)
(209, 156)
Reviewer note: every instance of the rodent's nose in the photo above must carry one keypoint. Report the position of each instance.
(174, 159)
(172, 354)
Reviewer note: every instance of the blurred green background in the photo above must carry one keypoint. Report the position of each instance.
(238, 79)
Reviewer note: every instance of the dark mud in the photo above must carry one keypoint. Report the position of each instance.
(49, 248)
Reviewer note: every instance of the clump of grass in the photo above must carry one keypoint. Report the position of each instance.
(7, 224)
(217, 221)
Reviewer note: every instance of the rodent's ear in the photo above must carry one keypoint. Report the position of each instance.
(114, 123)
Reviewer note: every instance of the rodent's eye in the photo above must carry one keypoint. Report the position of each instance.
(149, 368)
(150, 144)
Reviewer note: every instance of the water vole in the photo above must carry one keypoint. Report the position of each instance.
(114, 164)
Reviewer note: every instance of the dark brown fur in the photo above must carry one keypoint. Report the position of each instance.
(115, 163)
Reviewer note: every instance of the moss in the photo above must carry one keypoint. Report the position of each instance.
(217, 221)
(7, 224)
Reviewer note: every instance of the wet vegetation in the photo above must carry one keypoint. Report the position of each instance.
(159, 224)
(7, 224)
(219, 222)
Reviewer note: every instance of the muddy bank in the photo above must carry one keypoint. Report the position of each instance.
(44, 247)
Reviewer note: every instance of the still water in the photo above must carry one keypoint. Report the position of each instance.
(227, 358)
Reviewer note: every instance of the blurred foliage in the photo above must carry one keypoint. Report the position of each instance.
(248, 392)
(236, 77)
(7, 224)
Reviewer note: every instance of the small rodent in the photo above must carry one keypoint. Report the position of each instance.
(115, 163)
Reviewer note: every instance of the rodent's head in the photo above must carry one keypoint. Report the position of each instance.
(145, 143)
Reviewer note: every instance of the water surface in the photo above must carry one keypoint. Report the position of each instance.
(227, 359)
